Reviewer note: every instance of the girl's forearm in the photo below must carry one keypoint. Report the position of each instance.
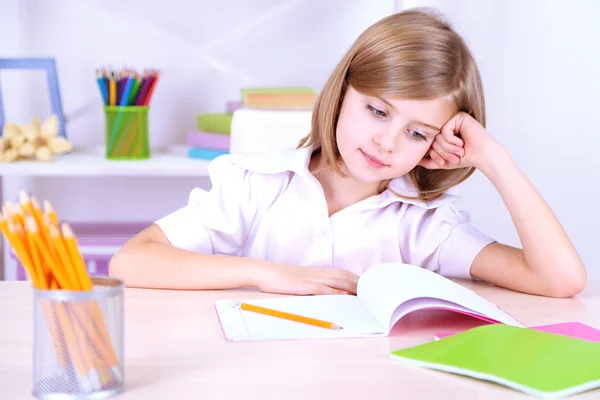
(162, 266)
(546, 247)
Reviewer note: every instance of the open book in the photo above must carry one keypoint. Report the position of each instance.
(385, 293)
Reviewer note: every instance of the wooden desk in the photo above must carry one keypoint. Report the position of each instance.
(174, 349)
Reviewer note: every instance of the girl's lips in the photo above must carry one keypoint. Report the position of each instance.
(373, 161)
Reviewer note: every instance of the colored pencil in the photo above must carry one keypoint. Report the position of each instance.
(134, 89)
(144, 86)
(128, 84)
(148, 96)
(126, 87)
(102, 86)
(112, 89)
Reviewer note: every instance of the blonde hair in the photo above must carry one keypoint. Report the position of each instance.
(415, 55)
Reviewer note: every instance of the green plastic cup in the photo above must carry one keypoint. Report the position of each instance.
(127, 132)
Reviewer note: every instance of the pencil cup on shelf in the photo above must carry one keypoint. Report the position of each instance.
(126, 129)
(78, 341)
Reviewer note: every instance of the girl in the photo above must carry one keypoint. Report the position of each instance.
(399, 123)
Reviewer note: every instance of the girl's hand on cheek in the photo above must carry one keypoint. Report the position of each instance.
(291, 279)
(460, 143)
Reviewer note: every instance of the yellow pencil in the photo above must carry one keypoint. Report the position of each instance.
(112, 90)
(50, 254)
(78, 265)
(49, 211)
(285, 315)
(12, 234)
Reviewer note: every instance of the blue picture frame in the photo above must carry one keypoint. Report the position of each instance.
(47, 64)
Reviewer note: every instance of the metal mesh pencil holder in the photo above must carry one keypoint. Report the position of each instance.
(78, 342)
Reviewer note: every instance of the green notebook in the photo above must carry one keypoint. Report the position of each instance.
(538, 363)
(215, 122)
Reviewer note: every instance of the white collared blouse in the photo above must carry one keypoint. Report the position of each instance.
(271, 207)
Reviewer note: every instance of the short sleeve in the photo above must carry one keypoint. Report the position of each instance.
(444, 240)
(217, 221)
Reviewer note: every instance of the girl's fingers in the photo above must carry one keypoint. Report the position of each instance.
(451, 128)
(310, 288)
(428, 163)
(342, 279)
(437, 159)
(337, 283)
(450, 137)
(324, 289)
(450, 148)
(447, 151)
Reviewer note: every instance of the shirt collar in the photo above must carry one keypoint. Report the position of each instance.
(297, 160)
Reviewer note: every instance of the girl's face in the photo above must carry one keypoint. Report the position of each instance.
(381, 139)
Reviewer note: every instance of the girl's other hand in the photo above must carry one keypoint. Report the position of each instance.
(462, 142)
(295, 280)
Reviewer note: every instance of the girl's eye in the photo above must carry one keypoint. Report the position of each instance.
(416, 135)
(377, 113)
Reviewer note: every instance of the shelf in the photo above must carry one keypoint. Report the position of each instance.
(91, 162)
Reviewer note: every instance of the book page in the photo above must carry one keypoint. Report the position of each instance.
(386, 289)
(344, 310)
(423, 303)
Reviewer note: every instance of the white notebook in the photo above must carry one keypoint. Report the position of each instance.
(385, 293)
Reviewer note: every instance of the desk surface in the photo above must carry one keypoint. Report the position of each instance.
(174, 349)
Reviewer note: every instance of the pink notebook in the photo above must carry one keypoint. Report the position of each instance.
(573, 329)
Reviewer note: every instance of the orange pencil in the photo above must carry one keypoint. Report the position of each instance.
(8, 229)
(284, 315)
(12, 235)
(112, 89)
(54, 262)
(36, 256)
(11, 212)
(35, 237)
(30, 207)
(25, 201)
(76, 258)
(49, 211)
(86, 284)
(63, 255)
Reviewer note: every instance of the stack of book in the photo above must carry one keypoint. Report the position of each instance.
(213, 137)
(279, 98)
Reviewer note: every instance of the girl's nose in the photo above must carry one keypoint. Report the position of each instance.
(385, 141)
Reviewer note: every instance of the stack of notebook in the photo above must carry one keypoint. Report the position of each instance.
(212, 138)
(279, 98)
